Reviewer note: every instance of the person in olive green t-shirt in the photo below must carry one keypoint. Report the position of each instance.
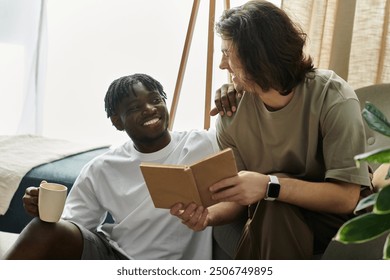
(294, 133)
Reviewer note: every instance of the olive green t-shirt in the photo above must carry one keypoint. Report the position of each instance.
(314, 138)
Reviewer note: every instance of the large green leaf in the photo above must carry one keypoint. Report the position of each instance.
(386, 249)
(375, 119)
(382, 205)
(381, 155)
(363, 228)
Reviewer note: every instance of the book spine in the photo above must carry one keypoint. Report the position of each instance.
(193, 188)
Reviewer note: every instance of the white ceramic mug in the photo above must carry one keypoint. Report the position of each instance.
(51, 201)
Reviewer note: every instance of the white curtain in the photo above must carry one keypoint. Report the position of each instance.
(22, 65)
(351, 37)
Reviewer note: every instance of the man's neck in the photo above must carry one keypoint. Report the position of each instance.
(153, 145)
(273, 100)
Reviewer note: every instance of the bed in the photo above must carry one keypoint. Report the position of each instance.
(61, 163)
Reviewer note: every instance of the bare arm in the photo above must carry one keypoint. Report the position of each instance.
(331, 197)
(249, 187)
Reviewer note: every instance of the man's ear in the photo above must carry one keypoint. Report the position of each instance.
(117, 122)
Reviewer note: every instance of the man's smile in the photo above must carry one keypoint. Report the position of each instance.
(151, 122)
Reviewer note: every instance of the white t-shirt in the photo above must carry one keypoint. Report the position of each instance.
(113, 183)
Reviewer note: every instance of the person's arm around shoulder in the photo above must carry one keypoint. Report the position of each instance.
(226, 100)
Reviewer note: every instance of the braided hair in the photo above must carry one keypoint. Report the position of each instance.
(123, 87)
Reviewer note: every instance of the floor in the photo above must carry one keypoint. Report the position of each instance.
(6, 240)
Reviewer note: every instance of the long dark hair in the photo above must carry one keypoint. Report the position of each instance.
(268, 43)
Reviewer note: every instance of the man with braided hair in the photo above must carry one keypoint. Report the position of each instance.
(113, 183)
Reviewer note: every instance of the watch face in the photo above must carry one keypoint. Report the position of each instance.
(273, 190)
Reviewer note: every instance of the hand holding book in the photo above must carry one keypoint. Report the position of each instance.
(170, 184)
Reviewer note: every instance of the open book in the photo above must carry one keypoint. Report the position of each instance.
(169, 184)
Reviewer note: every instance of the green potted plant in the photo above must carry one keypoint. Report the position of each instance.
(371, 225)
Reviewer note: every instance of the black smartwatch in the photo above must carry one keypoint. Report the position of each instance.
(273, 188)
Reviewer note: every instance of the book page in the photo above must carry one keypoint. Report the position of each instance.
(211, 170)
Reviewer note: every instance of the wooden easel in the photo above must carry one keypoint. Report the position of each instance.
(184, 58)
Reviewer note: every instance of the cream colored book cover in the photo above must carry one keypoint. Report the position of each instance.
(169, 184)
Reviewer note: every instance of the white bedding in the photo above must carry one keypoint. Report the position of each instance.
(20, 153)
